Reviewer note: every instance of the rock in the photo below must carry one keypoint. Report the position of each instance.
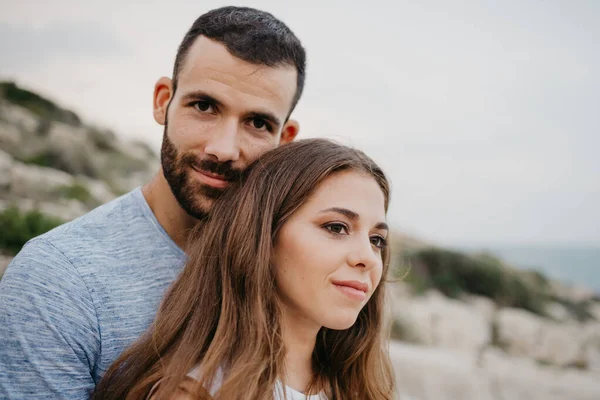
(4, 261)
(518, 331)
(591, 348)
(6, 162)
(37, 183)
(574, 293)
(519, 378)
(558, 312)
(19, 117)
(400, 292)
(9, 137)
(72, 151)
(440, 321)
(443, 374)
(560, 344)
(483, 306)
(522, 333)
(112, 166)
(65, 210)
(437, 374)
(126, 183)
(99, 191)
(594, 309)
(592, 358)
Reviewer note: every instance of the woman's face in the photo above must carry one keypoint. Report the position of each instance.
(328, 255)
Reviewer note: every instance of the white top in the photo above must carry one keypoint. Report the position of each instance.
(278, 393)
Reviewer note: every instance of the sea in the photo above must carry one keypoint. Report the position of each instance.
(573, 265)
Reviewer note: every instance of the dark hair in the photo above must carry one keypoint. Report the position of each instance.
(251, 35)
(224, 311)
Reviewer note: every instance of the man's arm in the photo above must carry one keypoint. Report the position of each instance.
(49, 334)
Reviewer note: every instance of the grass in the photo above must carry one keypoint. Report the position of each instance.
(18, 227)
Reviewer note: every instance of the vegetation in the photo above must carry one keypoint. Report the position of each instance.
(104, 140)
(18, 227)
(454, 273)
(75, 191)
(37, 104)
(74, 163)
(43, 159)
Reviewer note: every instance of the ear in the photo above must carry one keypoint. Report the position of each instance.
(289, 131)
(163, 92)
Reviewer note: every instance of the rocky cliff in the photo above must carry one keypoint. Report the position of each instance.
(52, 161)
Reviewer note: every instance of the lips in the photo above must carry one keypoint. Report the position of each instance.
(211, 174)
(355, 290)
(210, 178)
(363, 287)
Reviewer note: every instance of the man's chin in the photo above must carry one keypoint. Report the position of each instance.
(199, 213)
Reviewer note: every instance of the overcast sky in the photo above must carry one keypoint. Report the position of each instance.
(485, 114)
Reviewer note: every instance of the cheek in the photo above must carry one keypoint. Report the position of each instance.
(253, 147)
(376, 275)
(185, 126)
(301, 262)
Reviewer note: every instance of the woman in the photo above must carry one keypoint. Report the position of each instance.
(281, 296)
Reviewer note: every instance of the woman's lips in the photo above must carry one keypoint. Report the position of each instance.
(353, 289)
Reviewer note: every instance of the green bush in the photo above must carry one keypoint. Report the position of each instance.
(75, 191)
(44, 108)
(454, 273)
(16, 227)
(43, 159)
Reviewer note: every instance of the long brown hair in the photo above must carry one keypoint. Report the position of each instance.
(223, 312)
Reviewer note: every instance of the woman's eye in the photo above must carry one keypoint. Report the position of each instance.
(203, 106)
(378, 242)
(339, 229)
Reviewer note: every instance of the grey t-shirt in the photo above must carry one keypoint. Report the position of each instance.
(74, 298)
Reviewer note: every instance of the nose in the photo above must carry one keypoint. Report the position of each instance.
(224, 142)
(363, 255)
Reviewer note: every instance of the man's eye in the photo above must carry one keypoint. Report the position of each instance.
(259, 124)
(337, 228)
(203, 106)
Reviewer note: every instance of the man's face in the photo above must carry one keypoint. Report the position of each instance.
(224, 114)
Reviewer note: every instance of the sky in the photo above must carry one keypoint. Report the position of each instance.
(484, 114)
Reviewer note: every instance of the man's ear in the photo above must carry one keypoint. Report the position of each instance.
(289, 131)
(163, 92)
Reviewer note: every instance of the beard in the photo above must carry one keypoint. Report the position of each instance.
(194, 197)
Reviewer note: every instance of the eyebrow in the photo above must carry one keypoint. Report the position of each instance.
(353, 216)
(201, 95)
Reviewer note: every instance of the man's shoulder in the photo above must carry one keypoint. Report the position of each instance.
(121, 213)
(113, 227)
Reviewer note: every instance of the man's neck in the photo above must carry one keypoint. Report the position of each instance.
(299, 338)
(174, 220)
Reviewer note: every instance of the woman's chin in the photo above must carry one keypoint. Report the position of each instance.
(341, 321)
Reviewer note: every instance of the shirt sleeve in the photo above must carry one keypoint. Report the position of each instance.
(49, 334)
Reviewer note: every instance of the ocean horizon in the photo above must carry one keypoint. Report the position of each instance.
(577, 265)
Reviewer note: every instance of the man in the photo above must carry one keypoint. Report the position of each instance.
(73, 299)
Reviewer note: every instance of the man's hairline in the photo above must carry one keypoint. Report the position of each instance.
(177, 72)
